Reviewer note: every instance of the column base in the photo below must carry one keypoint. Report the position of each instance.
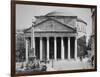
(62, 58)
(76, 58)
(69, 59)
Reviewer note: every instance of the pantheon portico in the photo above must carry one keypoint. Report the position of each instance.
(52, 37)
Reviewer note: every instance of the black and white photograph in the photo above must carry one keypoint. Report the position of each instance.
(54, 38)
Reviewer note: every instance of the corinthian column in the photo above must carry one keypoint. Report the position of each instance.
(62, 48)
(55, 48)
(68, 47)
(40, 48)
(26, 43)
(47, 48)
(76, 48)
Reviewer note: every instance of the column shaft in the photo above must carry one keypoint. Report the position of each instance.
(26, 41)
(40, 48)
(55, 48)
(62, 48)
(68, 47)
(47, 48)
(75, 48)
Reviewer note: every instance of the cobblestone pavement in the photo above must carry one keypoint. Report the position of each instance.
(68, 65)
(58, 65)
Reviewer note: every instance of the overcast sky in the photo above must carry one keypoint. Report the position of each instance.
(25, 13)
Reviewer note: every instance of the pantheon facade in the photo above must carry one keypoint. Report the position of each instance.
(54, 36)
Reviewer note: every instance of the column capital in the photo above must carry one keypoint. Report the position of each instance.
(75, 37)
(48, 38)
(61, 37)
(55, 38)
(69, 38)
(40, 38)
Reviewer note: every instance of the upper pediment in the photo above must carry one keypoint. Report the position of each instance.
(52, 25)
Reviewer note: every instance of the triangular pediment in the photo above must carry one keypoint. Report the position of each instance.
(52, 25)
